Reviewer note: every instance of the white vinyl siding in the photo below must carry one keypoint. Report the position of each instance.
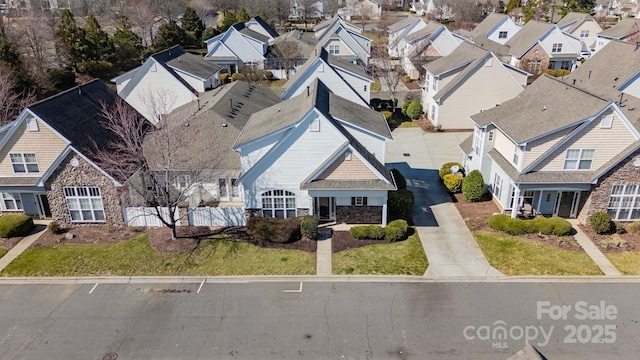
(278, 204)
(579, 159)
(24, 163)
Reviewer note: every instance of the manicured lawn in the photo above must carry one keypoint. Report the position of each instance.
(136, 257)
(628, 263)
(376, 86)
(2, 252)
(408, 124)
(402, 258)
(514, 256)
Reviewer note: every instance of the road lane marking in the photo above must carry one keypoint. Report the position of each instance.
(200, 287)
(294, 291)
(93, 288)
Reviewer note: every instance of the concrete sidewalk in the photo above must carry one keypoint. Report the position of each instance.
(592, 250)
(323, 252)
(23, 244)
(450, 247)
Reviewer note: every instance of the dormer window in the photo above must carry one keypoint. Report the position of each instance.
(556, 48)
(578, 159)
(502, 35)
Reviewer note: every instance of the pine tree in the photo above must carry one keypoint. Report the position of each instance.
(193, 25)
(128, 44)
(170, 34)
(71, 37)
(228, 20)
(99, 45)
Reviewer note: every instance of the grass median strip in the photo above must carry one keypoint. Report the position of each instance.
(2, 252)
(514, 256)
(401, 258)
(136, 257)
(628, 263)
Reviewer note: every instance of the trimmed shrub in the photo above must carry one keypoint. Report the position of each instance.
(387, 114)
(238, 76)
(600, 222)
(224, 78)
(400, 204)
(371, 232)
(55, 228)
(499, 222)
(14, 225)
(404, 107)
(634, 227)
(518, 227)
(274, 230)
(561, 227)
(395, 230)
(453, 183)
(414, 110)
(268, 75)
(618, 227)
(473, 186)
(309, 227)
(400, 180)
(446, 168)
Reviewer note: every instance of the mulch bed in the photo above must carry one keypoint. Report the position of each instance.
(612, 243)
(477, 214)
(342, 240)
(159, 237)
(412, 85)
(9, 243)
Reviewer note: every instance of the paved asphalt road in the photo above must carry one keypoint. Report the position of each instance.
(341, 320)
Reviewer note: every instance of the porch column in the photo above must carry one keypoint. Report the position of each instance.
(516, 201)
(311, 207)
(384, 211)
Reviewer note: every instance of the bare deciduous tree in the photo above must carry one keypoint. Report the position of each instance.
(157, 163)
(287, 52)
(169, 9)
(279, 10)
(385, 70)
(12, 101)
(202, 7)
(142, 17)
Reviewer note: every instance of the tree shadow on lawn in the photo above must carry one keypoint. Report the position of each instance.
(427, 190)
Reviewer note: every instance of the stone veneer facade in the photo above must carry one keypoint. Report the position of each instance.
(622, 174)
(84, 174)
(359, 214)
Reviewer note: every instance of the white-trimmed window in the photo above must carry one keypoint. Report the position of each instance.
(183, 181)
(477, 140)
(435, 84)
(606, 122)
(84, 203)
(334, 49)
(24, 163)
(278, 204)
(490, 136)
(502, 35)
(624, 202)
(358, 201)
(497, 186)
(427, 82)
(556, 48)
(11, 201)
(578, 159)
(584, 33)
(223, 185)
(235, 189)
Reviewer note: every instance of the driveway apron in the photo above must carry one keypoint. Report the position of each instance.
(450, 247)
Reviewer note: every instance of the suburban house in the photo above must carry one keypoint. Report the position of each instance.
(440, 11)
(316, 153)
(343, 79)
(321, 28)
(341, 40)
(417, 49)
(627, 29)
(362, 9)
(468, 80)
(166, 80)
(257, 24)
(48, 165)
(538, 46)
(565, 163)
(298, 10)
(284, 59)
(582, 26)
(237, 47)
(399, 30)
(208, 128)
(496, 27)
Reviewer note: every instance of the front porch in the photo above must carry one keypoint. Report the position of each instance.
(563, 202)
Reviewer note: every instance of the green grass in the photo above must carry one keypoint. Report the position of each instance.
(628, 263)
(2, 252)
(276, 84)
(136, 257)
(514, 256)
(376, 85)
(401, 258)
(408, 124)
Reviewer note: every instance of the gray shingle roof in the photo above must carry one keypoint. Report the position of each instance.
(573, 19)
(255, 35)
(193, 64)
(214, 127)
(491, 21)
(543, 107)
(527, 37)
(625, 27)
(266, 26)
(606, 70)
(402, 23)
(306, 42)
(467, 145)
(463, 55)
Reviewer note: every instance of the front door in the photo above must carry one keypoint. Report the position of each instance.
(565, 203)
(325, 208)
(29, 204)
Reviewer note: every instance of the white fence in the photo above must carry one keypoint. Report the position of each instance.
(217, 216)
(147, 216)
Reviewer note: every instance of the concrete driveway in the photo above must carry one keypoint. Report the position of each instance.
(450, 247)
